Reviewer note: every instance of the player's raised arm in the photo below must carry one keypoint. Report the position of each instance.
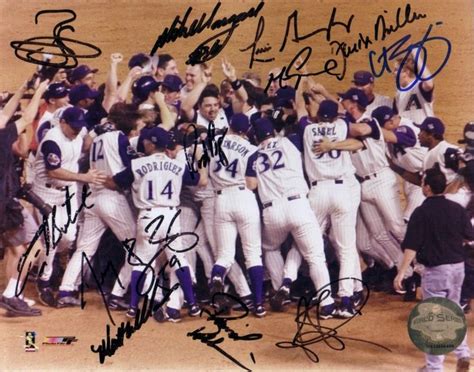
(167, 121)
(111, 84)
(32, 108)
(427, 84)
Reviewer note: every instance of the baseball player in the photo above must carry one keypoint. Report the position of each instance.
(110, 154)
(282, 190)
(413, 100)
(365, 80)
(401, 136)
(56, 169)
(379, 185)
(236, 210)
(156, 182)
(332, 180)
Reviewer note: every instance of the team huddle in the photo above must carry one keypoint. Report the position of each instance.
(301, 174)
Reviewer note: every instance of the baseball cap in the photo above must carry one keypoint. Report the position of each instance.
(363, 78)
(240, 123)
(468, 133)
(158, 136)
(140, 59)
(143, 86)
(383, 114)
(56, 90)
(172, 82)
(74, 117)
(81, 72)
(355, 95)
(263, 128)
(327, 109)
(176, 138)
(432, 125)
(285, 96)
(82, 92)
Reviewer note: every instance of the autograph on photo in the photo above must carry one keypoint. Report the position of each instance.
(309, 331)
(218, 319)
(31, 50)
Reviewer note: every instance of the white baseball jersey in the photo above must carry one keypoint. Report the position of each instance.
(220, 122)
(415, 104)
(237, 151)
(407, 152)
(371, 158)
(437, 155)
(57, 151)
(156, 180)
(110, 153)
(333, 165)
(279, 168)
(379, 100)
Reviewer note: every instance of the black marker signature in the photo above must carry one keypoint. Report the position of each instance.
(46, 229)
(212, 46)
(317, 333)
(287, 72)
(398, 49)
(211, 339)
(255, 49)
(27, 50)
(210, 147)
(109, 346)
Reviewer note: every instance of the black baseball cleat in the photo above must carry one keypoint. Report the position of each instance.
(280, 299)
(131, 313)
(16, 307)
(327, 311)
(46, 294)
(260, 311)
(357, 298)
(194, 310)
(245, 305)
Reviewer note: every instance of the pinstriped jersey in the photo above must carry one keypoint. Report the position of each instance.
(237, 151)
(371, 158)
(57, 151)
(437, 155)
(279, 170)
(378, 101)
(157, 181)
(415, 104)
(408, 157)
(334, 164)
(110, 153)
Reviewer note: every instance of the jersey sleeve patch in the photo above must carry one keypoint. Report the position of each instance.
(51, 154)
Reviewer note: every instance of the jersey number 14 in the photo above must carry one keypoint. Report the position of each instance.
(167, 190)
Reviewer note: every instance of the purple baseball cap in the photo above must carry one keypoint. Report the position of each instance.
(56, 90)
(263, 129)
(172, 82)
(432, 125)
(327, 110)
(285, 96)
(80, 92)
(81, 72)
(74, 117)
(362, 78)
(240, 123)
(144, 86)
(158, 136)
(355, 95)
(383, 114)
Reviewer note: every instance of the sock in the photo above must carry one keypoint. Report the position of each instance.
(218, 271)
(287, 282)
(184, 276)
(256, 279)
(136, 286)
(10, 290)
